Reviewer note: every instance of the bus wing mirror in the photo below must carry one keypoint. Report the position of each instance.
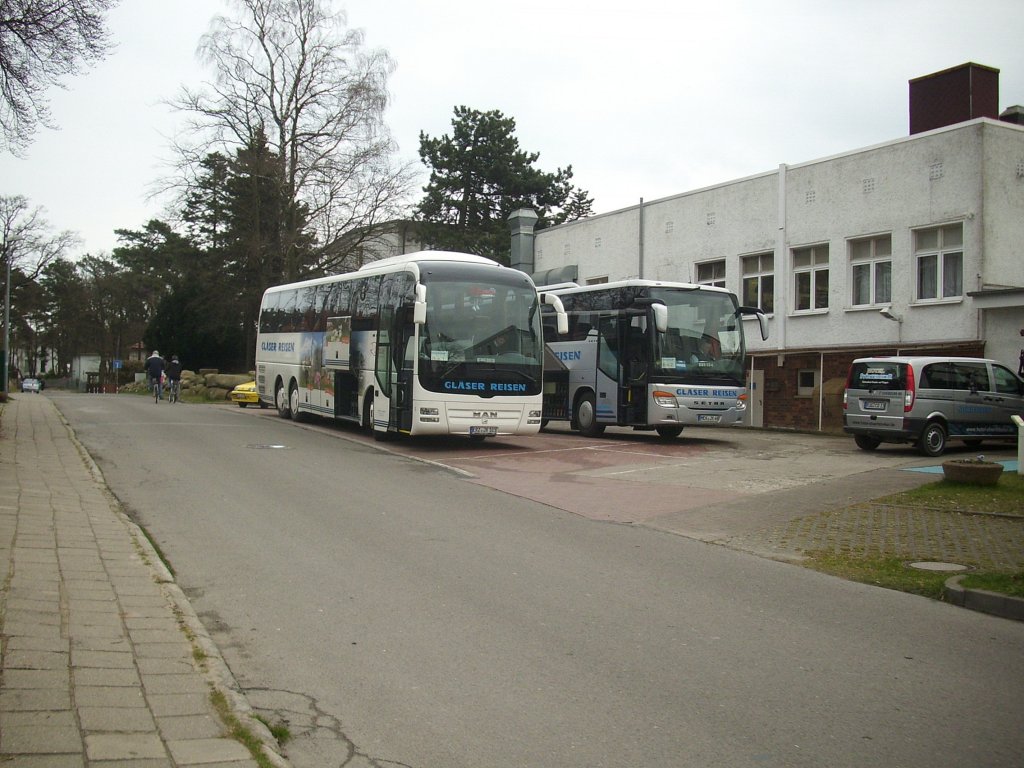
(660, 317)
(561, 318)
(419, 307)
(761, 319)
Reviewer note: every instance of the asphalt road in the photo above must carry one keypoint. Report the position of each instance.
(398, 612)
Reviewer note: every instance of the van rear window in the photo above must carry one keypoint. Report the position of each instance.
(878, 375)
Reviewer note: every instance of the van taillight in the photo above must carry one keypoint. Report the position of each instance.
(849, 378)
(911, 391)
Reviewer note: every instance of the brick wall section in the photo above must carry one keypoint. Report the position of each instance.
(785, 409)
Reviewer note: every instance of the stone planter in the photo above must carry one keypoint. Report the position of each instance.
(972, 472)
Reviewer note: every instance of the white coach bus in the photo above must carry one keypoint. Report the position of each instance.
(427, 343)
(646, 354)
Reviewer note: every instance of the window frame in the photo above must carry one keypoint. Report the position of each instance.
(764, 277)
(814, 271)
(940, 254)
(715, 279)
(801, 389)
(871, 261)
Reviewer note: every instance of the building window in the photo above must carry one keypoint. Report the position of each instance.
(871, 259)
(939, 253)
(810, 272)
(711, 273)
(759, 281)
(597, 280)
(806, 382)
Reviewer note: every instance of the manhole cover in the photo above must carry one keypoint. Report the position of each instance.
(258, 446)
(933, 566)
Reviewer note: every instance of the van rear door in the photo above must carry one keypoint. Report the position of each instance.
(876, 395)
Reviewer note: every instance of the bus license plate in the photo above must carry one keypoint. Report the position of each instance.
(874, 405)
(483, 431)
(707, 418)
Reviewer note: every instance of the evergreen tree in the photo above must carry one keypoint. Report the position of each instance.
(479, 175)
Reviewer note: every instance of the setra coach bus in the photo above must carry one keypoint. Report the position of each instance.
(427, 343)
(646, 354)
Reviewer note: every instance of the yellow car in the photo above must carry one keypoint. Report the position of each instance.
(246, 394)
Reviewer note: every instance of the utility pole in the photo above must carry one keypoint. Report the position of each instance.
(7, 321)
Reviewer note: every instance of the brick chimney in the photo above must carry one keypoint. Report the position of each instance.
(953, 96)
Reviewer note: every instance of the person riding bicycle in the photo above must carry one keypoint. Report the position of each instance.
(174, 377)
(154, 373)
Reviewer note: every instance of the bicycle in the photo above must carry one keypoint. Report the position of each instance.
(173, 390)
(156, 389)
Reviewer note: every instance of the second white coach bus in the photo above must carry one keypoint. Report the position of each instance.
(428, 343)
(647, 354)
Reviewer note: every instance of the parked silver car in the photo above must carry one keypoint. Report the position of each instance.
(928, 400)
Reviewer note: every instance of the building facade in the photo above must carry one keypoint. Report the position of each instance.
(913, 246)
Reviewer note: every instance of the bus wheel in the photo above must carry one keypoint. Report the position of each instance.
(368, 413)
(933, 440)
(586, 417)
(281, 401)
(293, 403)
(669, 432)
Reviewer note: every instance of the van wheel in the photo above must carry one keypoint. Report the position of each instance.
(866, 443)
(933, 440)
(586, 417)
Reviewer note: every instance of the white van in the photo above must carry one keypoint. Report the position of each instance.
(927, 400)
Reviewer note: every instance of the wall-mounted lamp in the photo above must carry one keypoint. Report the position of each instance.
(888, 314)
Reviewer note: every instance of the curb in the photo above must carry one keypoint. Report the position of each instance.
(217, 673)
(984, 601)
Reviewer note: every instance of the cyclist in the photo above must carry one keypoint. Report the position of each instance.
(174, 378)
(154, 373)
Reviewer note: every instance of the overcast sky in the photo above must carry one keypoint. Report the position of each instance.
(645, 99)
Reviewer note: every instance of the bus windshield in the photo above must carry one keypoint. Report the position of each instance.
(704, 340)
(473, 328)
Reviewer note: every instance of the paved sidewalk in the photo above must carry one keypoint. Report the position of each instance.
(104, 663)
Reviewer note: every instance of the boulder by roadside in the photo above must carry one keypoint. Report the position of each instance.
(207, 384)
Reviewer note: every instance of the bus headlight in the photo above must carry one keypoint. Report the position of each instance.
(534, 414)
(431, 415)
(665, 399)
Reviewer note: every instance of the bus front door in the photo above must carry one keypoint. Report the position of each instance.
(606, 390)
(635, 373)
(622, 371)
(393, 391)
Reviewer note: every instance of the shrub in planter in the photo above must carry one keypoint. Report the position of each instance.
(972, 471)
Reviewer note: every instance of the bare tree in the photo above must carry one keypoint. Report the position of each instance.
(42, 41)
(289, 70)
(26, 243)
(26, 247)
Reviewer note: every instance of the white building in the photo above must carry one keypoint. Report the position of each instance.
(913, 245)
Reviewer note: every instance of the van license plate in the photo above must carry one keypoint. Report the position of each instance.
(484, 431)
(707, 418)
(875, 405)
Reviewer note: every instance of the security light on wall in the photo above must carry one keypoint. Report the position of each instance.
(888, 314)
